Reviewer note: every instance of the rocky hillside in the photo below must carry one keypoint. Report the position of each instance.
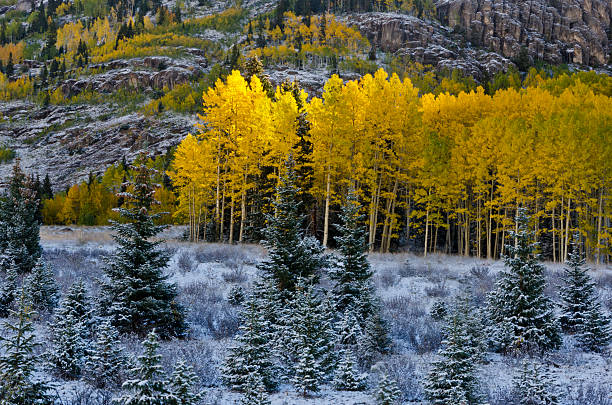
(89, 117)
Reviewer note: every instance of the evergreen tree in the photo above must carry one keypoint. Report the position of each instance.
(308, 375)
(40, 287)
(253, 352)
(18, 362)
(533, 386)
(254, 391)
(453, 377)
(19, 222)
(236, 295)
(519, 298)
(9, 69)
(147, 387)
(182, 384)
(136, 295)
(8, 290)
(353, 270)
(106, 363)
(70, 333)
(580, 310)
(291, 255)
(46, 191)
(347, 378)
(387, 393)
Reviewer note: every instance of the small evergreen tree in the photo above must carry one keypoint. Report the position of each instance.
(254, 391)
(387, 393)
(182, 384)
(308, 375)
(136, 295)
(519, 298)
(580, 310)
(252, 353)
(106, 363)
(18, 362)
(19, 224)
(70, 333)
(347, 378)
(40, 287)
(533, 386)
(147, 387)
(290, 255)
(8, 289)
(453, 377)
(236, 295)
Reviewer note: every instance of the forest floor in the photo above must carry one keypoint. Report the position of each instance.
(407, 284)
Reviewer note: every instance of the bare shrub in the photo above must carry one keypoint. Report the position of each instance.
(403, 370)
(198, 354)
(438, 290)
(229, 255)
(410, 324)
(235, 276)
(480, 282)
(589, 393)
(184, 263)
(85, 395)
(387, 278)
(208, 311)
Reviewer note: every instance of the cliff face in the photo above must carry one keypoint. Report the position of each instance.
(557, 31)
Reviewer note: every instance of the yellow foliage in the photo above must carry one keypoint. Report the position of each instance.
(15, 49)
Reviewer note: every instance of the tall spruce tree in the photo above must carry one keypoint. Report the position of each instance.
(253, 352)
(291, 256)
(452, 378)
(148, 386)
(18, 363)
(19, 223)
(136, 294)
(40, 287)
(70, 333)
(105, 364)
(521, 314)
(581, 312)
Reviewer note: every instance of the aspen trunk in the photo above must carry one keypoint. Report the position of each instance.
(222, 225)
(426, 232)
(374, 216)
(231, 229)
(242, 216)
(554, 247)
(599, 224)
(567, 224)
(327, 202)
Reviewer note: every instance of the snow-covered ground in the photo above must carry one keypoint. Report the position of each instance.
(408, 284)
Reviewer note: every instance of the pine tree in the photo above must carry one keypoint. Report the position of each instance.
(519, 298)
(147, 387)
(18, 362)
(534, 386)
(453, 376)
(236, 295)
(136, 294)
(353, 270)
(291, 256)
(8, 290)
(580, 310)
(347, 378)
(106, 363)
(310, 333)
(182, 384)
(308, 375)
(40, 287)
(254, 391)
(70, 333)
(387, 393)
(253, 352)
(19, 222)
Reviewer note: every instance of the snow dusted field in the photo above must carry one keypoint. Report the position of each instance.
(407, 284)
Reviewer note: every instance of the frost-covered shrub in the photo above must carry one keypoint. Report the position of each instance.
(589, 393)
(402, 369)
(184, 263)
(86, 395)
(227, 254)
(208, 310)
(198, 353)
(387, 278)
(235, 276)
(480, 282)
(438, 290)
(410, 324)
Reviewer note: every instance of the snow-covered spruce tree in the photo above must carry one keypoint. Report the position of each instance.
(8, 289)
(291, 256)
(236, 295)
(106, 363)
(453, 377)
(311, 335)
(18, 362)
(148, 386)
(347, 377)
(40, 287)
(254, 391)
(353, 269)
(70, 333)
(183, 383)
(387, 392)
(519, 300)
(580, 310)
(136, 294)
(308, 375)
(253, 352)
(19, 222)
(534, 386)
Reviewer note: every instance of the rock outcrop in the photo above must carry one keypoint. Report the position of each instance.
(557, 31)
